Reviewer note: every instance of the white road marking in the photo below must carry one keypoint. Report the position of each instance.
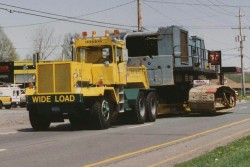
(6, 133)
(1, 150)
(243, 108)
(138, 126)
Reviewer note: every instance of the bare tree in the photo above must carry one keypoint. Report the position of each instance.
(66, 47)
(7, 50)
(45, 42)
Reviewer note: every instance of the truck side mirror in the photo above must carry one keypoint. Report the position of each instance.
(105, 53)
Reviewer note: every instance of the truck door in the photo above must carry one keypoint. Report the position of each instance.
(120, 54)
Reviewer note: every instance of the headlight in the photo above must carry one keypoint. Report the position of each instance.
(75, 75)
(76, 85)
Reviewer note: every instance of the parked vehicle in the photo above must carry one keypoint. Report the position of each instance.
(10, 95)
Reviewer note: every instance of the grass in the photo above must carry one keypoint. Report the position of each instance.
(237, 77)
(244, 98)
(236, 154)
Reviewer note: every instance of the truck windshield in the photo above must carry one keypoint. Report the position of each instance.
(95, 54)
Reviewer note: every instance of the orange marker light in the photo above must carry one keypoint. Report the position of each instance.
(93, 33)
(116, 32)
(100, 83)
(106, 33)
(84, 34)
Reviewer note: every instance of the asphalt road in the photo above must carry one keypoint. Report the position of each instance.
(169, 140)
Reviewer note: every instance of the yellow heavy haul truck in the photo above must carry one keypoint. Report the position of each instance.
(93, 88)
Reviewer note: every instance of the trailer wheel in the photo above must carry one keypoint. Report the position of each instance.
(101, 111)
(232, 101)
(140, 108)
(152, 106)
(39, 122)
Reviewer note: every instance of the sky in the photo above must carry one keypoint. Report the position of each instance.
(216, 21)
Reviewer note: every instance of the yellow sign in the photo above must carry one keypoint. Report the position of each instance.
(53, 99)
(94, 41)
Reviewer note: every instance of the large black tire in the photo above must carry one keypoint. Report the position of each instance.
(140, 108)
(39, 122)
(7, 106)
(152, 107)
(102, 111)
(232, 101)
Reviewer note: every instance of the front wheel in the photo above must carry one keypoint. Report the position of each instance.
(101, 111)
(152, 106)
(39, 122)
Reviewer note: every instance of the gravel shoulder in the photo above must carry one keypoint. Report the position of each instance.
(13, 117)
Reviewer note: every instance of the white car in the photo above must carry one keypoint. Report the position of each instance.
(22, 98)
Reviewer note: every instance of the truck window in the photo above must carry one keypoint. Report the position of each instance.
(119, 54)
(184, 47)
(95, 54)
(80, 55)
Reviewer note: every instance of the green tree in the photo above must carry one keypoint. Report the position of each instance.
(7, 50)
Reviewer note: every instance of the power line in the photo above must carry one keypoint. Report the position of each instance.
(61, 19)
(219, 11)
(229, 12)
(68, 17)
(179, 22)
(161, 13)
(198, 4)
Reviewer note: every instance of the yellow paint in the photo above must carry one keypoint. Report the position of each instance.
(93, 91)
(57, 99)
(137, 76)
(164, 144)
(197, 148)
(29, 91)
(5, 99)
(41, 99)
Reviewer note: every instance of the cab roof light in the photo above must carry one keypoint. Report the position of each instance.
(84, 34)
(93, 34)
(106, 33)
(116, 32)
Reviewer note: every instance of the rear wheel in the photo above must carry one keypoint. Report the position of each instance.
(101, 111)
(140, 108)
(152, 106)
(39, 122)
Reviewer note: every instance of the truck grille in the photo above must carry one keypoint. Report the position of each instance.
(53, 78)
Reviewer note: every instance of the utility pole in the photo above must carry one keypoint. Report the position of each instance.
(240, 39)
(241, 57)
(139, 15)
